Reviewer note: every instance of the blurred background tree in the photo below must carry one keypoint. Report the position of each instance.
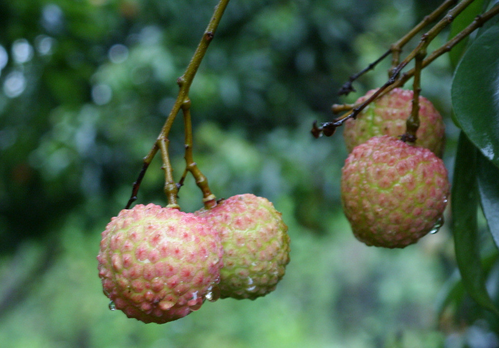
(85, 88)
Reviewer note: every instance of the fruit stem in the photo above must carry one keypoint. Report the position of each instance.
(184, 83)
(412, 123)
(209, 198)
(171, 188)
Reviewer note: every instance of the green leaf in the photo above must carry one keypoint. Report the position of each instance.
(462, 21)
(488, 184)
(451, 292)
(475, 93)
(464, 216)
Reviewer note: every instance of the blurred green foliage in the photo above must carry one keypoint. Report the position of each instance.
(86, 87)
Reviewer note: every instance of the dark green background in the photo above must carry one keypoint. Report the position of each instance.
(88, 85)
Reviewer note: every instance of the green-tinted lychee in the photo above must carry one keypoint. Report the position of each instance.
(255, 243)
(393, 193)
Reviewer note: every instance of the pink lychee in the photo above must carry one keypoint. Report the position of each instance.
(158, 264)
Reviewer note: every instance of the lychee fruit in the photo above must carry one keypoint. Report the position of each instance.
(158, 264)
(255, 243)
(393, 193)
(388, 114)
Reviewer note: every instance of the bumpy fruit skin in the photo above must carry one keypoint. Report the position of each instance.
(158, 264)
(388, 115)
(255, 243)
(393, 193)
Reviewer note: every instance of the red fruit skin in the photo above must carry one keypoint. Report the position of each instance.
(388, 115)
(158, 264)
(255, 242)
(393, 193)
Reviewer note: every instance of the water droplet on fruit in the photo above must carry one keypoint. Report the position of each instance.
(112, 306)
(437, 226)
(193, 301)
(213, 294)
(194, 295)
(250, 282)
(209, 296)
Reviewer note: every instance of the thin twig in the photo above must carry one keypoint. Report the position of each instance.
(412, 123)
(433, 32)
(348, 87)
(184, 83)
(397, 81)
(136, 185)
(171, 188)
(337, 108)
(477, 23)
(396, 48)
(209, 198)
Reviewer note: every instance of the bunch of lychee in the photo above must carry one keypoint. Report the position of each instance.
(160, 264)
(393, 193)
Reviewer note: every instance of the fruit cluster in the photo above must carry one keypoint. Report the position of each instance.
(160, 264)
(394, 193)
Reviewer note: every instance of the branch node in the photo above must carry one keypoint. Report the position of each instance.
(316, 131)
(209, 35)
(408, 138)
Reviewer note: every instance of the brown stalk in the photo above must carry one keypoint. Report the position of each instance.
(184, 83)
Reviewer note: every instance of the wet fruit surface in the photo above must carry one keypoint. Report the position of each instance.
(158, 264)
(255, 243)
(393, 193)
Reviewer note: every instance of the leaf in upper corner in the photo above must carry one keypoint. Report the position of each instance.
(475, 93)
